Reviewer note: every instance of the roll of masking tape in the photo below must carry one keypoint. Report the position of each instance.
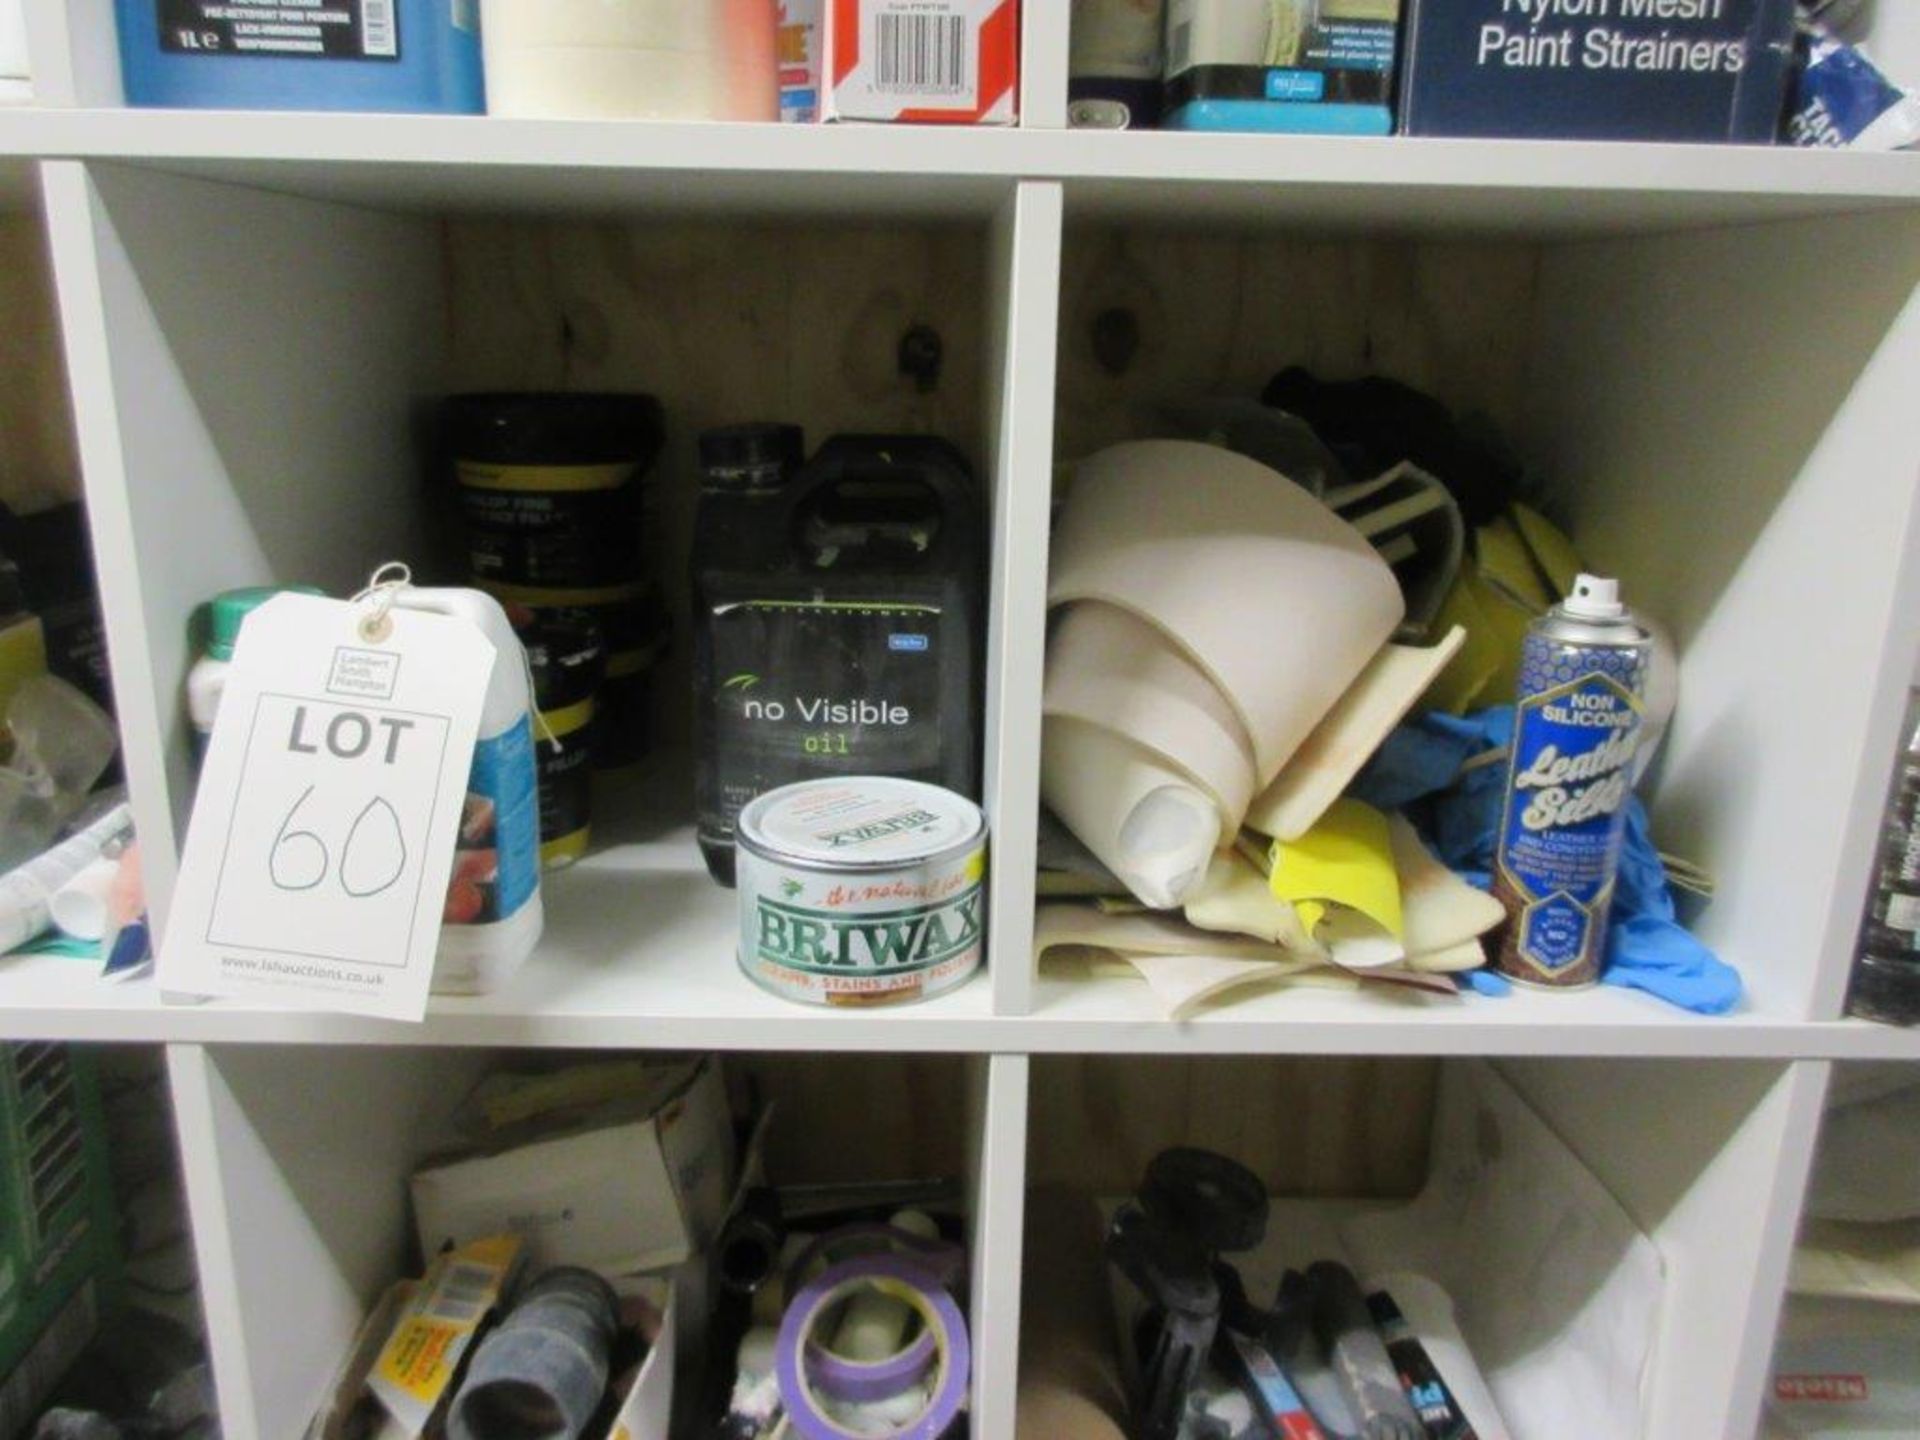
(860, 1381)
(940, 1259)
(906, 1280)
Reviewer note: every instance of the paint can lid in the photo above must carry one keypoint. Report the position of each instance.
(570, 427)
(230, 609)
(859, 822)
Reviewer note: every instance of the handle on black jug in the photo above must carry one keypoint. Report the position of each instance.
(852, 457)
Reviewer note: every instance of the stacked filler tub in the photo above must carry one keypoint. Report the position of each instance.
(553, 490)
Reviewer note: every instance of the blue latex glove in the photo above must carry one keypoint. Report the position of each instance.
(1423, 757)
(1420, 770)
(1647, 949)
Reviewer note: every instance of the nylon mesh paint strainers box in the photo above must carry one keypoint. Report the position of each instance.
(1679, 70)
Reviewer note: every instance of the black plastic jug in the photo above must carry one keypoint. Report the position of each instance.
(838, 618)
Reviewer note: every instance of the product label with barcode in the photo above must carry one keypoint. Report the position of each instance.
(956, 61)
(279, 30)
(920, 54)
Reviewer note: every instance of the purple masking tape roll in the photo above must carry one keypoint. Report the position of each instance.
(839, 1378)
(906, 1280)
(941, 1259)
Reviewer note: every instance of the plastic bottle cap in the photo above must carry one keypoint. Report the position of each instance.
(1594, 598)
(751, 456)
(230, 611)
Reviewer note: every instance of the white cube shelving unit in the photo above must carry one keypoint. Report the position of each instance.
(1710, 353)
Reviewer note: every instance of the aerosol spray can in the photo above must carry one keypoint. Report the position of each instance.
(1583, 673)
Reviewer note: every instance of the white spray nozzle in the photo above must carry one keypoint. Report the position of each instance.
(1594, 598)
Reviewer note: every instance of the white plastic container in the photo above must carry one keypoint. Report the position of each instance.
(207, 680)
(493, 917)
(652, 59)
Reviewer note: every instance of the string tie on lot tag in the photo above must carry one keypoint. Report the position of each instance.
(385, 586)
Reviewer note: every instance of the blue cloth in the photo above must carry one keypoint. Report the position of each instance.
(1423, 770)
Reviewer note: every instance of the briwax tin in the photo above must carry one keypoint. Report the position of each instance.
(1583, 676)
(861, 890)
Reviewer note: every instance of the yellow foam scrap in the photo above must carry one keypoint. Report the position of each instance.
(1346, 859)
(1505, 561)
(1552, 551)
(1235, 899)
(1441, 911)
(1522, 563)
(1476, 662)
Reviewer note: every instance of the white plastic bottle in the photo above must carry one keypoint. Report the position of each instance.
(207, 680)
(493, 915)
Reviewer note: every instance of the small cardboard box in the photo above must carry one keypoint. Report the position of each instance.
(799, 43)
(948, 61)
(1679, 70)
(627, 1188)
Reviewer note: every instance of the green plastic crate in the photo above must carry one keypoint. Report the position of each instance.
(58, 1251)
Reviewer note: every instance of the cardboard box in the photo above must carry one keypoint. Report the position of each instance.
(57, 1247)
(799, 42)
(1282, 65)
(435, 1323)
(947, 61)
(631, 1186)
(1680, 70)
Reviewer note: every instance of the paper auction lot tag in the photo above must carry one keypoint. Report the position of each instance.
(323, 831)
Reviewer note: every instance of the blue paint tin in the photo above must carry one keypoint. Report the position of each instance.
(380, 55)
(1583, 672)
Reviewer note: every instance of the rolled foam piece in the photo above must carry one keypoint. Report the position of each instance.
(1107, 667)
(79, 907)
(1277, 600)
(1146, 822)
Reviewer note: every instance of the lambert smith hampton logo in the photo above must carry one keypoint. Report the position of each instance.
(895, 941)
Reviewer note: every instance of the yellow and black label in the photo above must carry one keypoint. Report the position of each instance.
(563, 755)
(545, 479)
(552, 526)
